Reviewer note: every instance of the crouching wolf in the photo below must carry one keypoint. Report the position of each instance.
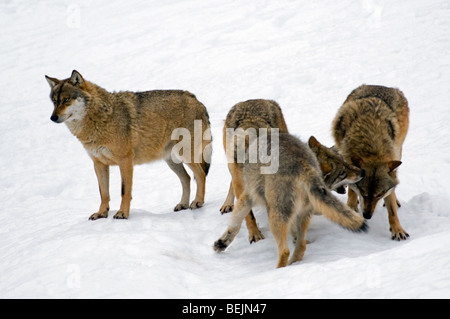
(291, 195)
(128, 128)
(369, 130)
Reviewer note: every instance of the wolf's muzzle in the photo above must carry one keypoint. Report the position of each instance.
(367, 215)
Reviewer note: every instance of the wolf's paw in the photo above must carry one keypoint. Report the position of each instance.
(180, 206)
(399, 234)
(98, 216)
(121, 215)
(226, 208)
(255, 237)
(196, 204)
(220, 245)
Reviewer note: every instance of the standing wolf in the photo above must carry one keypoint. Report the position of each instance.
(128, 128)
(291, 195)
(369, 130)
(251, 114)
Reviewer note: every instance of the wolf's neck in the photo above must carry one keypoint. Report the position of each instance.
(96, 114)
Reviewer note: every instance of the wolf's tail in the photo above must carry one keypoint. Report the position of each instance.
(206, 164)
(331, 207)
(207, 146)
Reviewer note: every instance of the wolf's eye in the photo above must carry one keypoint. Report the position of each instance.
(66, 100)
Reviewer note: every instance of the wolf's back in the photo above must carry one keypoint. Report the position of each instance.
(243, 124)
(256, 114)
(393, 97)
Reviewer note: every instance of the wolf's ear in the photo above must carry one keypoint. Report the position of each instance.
(393, 165)
(314, 143)
(357, 161)
(76, 78)
(52, 81)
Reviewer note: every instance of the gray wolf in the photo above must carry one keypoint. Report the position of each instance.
(337, 173)
(291, 195)
(130, 128)
(251, 114)
(369, 130)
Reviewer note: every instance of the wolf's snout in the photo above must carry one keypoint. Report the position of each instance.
(54, 118)
(367, 215)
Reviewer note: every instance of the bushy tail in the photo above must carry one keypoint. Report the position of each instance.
(331, 207)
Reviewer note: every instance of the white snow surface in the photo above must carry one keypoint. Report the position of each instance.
(306, 55)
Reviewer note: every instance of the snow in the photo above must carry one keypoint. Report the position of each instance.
(308, 56)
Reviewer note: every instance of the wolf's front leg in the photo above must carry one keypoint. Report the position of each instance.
(242, 209)
(352, 201)
(397, 231)
(126, 172)
(102, 172)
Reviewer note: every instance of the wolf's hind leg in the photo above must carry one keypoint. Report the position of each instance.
(279, 228)
(185, 183)
(229, 201)
(254, 234)
(126, 173)
(200, 177)
(301, 224)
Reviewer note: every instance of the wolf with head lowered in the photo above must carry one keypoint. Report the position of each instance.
(369, 130)
(129, 128)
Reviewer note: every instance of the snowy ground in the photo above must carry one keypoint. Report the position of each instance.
(307, 55)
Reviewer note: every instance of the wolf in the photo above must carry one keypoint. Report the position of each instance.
(369, 130)
(130, 128)
(291, 195)
(250, 114)
(337, 173)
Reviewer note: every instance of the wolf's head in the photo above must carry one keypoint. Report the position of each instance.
(68, 97)
(336, 171)
(379, 182)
